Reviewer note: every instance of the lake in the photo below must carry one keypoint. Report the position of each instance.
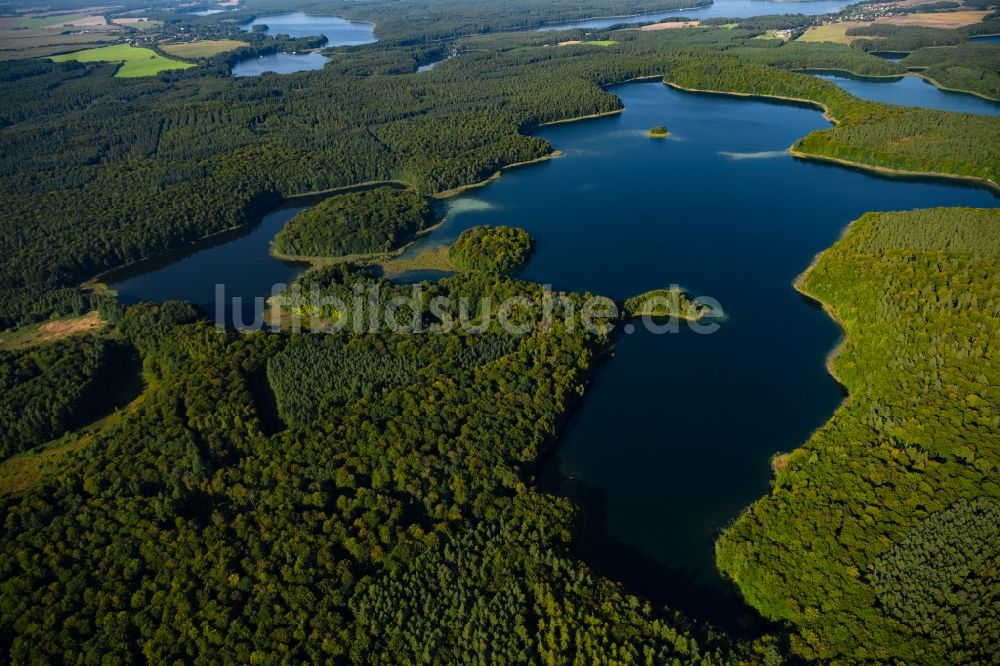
(726, 8)
(279, 63)
(912, 91)
(238, 259)
(338, 32)
(992, 39)
(674, 435)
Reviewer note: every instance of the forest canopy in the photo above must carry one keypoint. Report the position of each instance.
(491, 249)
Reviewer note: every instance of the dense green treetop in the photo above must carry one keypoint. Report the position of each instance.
(664, 303)
(491, 249)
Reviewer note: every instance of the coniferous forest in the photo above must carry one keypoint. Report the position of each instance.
(172, 491)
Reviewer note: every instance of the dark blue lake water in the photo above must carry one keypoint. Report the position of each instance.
(727, 8)
(674, 436)
(338, 32)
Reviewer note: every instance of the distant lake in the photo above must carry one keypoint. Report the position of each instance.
(338, 32)
(280, 63)
(992, 39)
(726, 8)
(889, 55)
(674, 435)
(913, 91)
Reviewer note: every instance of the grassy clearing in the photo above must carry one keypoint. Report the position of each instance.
(21, 44)
(831, 32)
(138, 23)
(50, 331)
(936, 19)
(25, 470)
(435, 259)
(596, 42)
(202, 49)
(18, 42)
(135, 61)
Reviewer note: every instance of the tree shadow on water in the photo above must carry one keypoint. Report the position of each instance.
(716, 602)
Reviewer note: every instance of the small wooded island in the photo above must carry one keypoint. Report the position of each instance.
(659, 132)
(355, 224)
(665, 303)
(490, 249)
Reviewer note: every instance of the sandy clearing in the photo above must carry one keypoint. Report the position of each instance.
(670, 25)
(63, 328)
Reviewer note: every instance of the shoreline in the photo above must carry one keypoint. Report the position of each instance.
(589, 116)
(863, 166)
(911, 73)
(798, 284)
(448, 194)
(371, 259)
(891, 171)
(937, 84)
(834, 70)
(661, 317)
(780, 458)
(552, 27)
(798, 100)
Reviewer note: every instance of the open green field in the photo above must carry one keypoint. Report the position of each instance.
(203, 49)
(831, 32)
(135, 61)
(21, 44)
(46, 21)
